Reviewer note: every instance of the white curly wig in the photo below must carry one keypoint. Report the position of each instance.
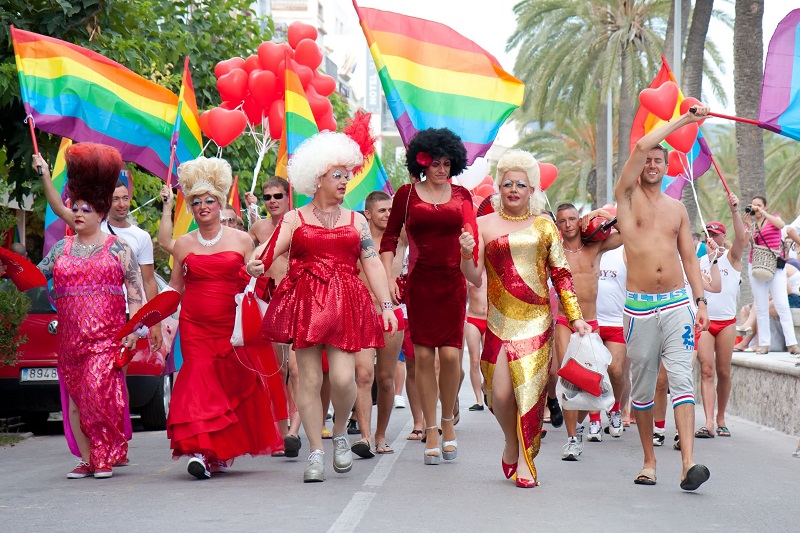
(205, 175)
(525, 162)
(315, 156)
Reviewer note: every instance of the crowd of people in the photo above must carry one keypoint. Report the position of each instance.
(349, 293)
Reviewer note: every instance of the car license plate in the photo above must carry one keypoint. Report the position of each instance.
(39, 374)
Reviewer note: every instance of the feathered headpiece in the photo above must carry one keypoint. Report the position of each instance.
(358, 129)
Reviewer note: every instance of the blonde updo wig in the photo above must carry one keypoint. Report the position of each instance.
(525, 162)
(205, 175)
(317, 155)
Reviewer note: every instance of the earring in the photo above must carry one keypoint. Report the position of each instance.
(422, 175)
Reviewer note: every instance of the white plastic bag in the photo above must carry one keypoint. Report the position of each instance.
(237, 337)
(590, 352)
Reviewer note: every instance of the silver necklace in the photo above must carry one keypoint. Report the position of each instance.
(210, 242)
(574, 251)
(328, 219)
(85, 250)
(430, 193)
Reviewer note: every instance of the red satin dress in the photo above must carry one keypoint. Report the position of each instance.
(221, 403)
(321, 300)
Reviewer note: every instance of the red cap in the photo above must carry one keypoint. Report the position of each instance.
(716, 228)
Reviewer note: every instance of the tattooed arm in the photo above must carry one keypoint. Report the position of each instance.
(374, 271)
(133, 279)
(49, 261)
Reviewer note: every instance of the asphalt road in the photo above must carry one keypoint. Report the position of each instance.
(753, 487)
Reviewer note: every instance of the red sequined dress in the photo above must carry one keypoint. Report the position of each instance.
(436, 291)
(321, 300)
(91, 310)
(221, 404)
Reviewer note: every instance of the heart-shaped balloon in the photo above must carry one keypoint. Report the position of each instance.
(253, 110)
(484, 190)
(683, 139)
(324, 85)
(320, 106)
(307, 53)
(547, 175)
(689, 103)
(232, 86)
(269, 55)
(677, 163)
(327, 123)
(223, 67)
(251, 63)
(203, 121)
(661, 101)
(225, 125)
(304, 73)
(262, 85)
(298, 31)
(276, 116)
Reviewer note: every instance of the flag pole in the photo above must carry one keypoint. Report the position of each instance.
(730, 117)
(171, 163)
(29, 120)
(721, 177)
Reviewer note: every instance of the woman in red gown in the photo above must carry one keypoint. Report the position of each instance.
(322, 303)
(221, 406)
(436, 291)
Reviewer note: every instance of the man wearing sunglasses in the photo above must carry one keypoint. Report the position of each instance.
(276, 200)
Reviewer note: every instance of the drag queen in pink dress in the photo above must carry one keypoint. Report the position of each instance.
(88, 271)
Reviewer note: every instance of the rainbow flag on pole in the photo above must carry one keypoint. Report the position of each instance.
(434, 77)
(79, 94)
(187, 137)
(54, 228)
(780, 108)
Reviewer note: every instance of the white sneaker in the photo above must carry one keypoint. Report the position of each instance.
(658, 437)
(197, 467)
(615, 423)
(595, 432)
(572, 449)
(399, 401)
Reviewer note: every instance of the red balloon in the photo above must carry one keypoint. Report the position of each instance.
(611, 209)
(229, 105)
(270, 55)
(484, 190)
(232, 86)
(263, 85)
(286, 50)
(683, 139)
(304, 73)
(487, 180)
(690, 102)
(225, 125)
(203, 121)
(251, 63)
(327, 123)
(677, 163)
(547, 175)
(320, 105)
(280, 74)
(253, 110)
(661, 101)
(298, 31)
(307, 53)
(324, 85)
(277, 113)
(223, 67)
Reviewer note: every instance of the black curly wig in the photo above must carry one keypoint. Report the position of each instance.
(92, 172)
(437, 143)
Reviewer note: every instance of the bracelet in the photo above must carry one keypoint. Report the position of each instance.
(387, 306)
(142, 331)
(714, 262)
(465, 256)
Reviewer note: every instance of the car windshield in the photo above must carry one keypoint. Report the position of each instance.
(40, 304)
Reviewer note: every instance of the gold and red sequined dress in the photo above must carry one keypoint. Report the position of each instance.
(520, 318)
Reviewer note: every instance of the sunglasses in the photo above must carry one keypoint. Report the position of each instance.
(227, 220)
(208, 201)
(85, 208)
(277, 196)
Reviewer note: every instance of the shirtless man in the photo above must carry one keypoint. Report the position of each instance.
(658, 320)
(276, 198)
(584, 263)
(474, 331)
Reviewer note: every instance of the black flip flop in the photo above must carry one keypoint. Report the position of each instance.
(696, 476)
(362, 449)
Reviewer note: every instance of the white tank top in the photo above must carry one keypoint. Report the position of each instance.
(722, 305)
(611, 291)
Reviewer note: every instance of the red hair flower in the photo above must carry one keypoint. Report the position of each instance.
(424, 159)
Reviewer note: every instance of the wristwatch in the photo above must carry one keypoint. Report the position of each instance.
(700, 299)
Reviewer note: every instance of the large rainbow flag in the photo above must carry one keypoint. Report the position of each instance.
(434, 77)
(79, 94)
(699, 157)
(780, 105)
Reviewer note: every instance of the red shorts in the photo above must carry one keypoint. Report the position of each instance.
(401, 320)
(325, 366)
(408, 346)
(479, 323)
(564, 322)
(715, 327)
(612, 334)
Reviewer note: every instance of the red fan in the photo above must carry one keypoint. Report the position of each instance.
(486, 206)
(471, 225)
(152, 313)
(582, 377)
(22, 273)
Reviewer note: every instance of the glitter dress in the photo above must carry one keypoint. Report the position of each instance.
(321, 300)
(521, 321)
(221, 404)
(91, 310)
(436, 291)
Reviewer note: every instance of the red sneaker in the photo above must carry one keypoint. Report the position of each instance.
(81, 471)
(102, 473)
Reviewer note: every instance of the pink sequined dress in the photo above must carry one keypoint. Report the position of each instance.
(91, 310)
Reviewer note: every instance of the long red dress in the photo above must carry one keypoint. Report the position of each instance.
(221, 405)
(436, 291)
(321, 300)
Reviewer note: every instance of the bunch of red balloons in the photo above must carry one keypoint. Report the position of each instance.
(661, 101)
(252, 89)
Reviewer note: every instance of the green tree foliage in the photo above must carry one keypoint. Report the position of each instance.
(14, 306)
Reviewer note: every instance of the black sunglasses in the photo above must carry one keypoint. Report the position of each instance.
(277, 196)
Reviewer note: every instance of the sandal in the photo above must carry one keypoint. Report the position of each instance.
(722, 431)
(432, 456)
(449, 455)
(762, 350)
(383, 447)
(703, 433)
(415, 435)
(363, 449)
(647, 476)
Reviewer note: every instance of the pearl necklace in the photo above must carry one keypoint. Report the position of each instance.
(211, 242)
(520, 218)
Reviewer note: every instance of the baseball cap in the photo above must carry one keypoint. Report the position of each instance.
(717, 228)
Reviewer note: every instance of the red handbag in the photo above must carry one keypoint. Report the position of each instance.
(582, 377)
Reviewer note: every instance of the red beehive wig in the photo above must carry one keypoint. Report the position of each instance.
(92, 173)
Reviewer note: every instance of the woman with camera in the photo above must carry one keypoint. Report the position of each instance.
(765, 236)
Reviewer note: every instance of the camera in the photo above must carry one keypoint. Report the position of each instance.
(748, 210)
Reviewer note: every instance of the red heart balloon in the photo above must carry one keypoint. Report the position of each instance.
(688, 103)
(547, 175)
(203, 121)
(484, 190)
(277, 112)
(677, 163)
(251, 63)
(327, 123)
(320, 106)
(304, 73)
(223, 67)
(229, 105)
(253, 110)
(487, 180)
(683, 139)
(298, 31)
(324, 85)
(661, 101)
(269, 55)
(232, 86)
(307, 53)
(262, 85)
(226, 125)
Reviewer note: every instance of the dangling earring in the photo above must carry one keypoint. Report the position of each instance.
(530, 205)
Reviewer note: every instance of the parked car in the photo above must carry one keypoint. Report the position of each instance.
(30, 387)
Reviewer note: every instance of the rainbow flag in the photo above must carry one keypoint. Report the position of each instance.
(699, 157)
(233, 196)
(187, 138)
(780, 106)
(183, 221)
(433, 77)
(76, 93)
(54, 228)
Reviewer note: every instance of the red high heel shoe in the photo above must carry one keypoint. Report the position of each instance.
(526, 483)
(508, 470)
